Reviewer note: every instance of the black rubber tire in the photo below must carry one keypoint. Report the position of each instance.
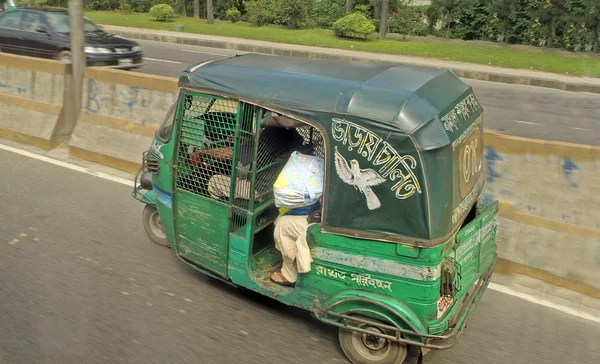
(153, 227)
(353, 345)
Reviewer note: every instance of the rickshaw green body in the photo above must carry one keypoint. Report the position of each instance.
(420, 261)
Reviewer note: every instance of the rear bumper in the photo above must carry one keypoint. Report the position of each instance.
(411, 336)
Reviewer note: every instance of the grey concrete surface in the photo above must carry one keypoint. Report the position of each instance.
(80, 282)
(525, 111)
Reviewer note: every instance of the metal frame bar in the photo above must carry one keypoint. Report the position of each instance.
(448, 339)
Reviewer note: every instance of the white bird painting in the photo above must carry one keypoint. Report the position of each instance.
(360, 179)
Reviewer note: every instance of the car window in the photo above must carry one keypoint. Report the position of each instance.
(90, 26)
(58, 21)
(31, 21)
(11, 20)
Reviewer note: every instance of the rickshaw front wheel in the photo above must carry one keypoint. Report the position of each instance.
(153, 225)
(370, 349)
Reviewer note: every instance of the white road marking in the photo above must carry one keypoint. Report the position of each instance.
(161, 60)
(543, 302)
(493, 286)
(212, 53)
(584, 129)
(74, 167)
(526, 122)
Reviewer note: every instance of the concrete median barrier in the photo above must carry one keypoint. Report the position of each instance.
(549, 227)
(120, 113)
(31, 101)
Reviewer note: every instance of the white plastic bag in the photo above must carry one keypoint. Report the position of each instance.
(300, 183)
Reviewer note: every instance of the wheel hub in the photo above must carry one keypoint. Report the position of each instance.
(156, 225)
(373, 342)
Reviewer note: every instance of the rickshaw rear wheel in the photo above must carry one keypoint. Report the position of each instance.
(369, 349)
(153, 225)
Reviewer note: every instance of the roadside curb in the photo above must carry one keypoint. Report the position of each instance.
(468, 71)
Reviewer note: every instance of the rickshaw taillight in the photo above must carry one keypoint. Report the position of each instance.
(450, 279)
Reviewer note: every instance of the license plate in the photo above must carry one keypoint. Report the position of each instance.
(125, 61)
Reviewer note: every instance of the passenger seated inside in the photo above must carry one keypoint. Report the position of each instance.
(273, 127)
(300, 206)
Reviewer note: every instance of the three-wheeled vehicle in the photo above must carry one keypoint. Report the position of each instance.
(405, 248)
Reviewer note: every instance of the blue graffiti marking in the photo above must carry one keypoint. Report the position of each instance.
(529, 207)
(568, 167)
(92, 104)
(132, 97)
(487, 199)
(20, 89)
(491, 156)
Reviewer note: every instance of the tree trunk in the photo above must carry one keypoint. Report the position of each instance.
(348, 6)
(196, 9)
(383, 24)
(183, 7)
(210, 16)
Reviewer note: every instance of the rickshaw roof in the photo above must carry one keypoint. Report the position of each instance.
(404, 126)
(370, 90)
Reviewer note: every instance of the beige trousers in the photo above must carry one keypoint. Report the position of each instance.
(290, 240)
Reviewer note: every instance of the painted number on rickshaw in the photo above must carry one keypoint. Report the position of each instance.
(442, 305)
(470, 162)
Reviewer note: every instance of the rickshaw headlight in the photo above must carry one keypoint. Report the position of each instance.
(151, 163)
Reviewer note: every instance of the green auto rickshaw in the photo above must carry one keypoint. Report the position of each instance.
(405, 247)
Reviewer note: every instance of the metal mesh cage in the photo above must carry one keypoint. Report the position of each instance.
(313, 141)
(206, 146)
(219, 143)
(241, 206)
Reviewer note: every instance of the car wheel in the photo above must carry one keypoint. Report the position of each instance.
(64, 57)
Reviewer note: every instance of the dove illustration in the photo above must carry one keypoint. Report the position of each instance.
(360, 179)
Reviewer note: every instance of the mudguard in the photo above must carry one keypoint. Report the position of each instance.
(373, 305)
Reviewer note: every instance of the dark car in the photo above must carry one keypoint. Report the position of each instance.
(45, 33)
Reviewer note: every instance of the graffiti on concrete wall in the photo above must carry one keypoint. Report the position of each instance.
(127, 100)
(491, 157)
(569, 168)
(7, 87)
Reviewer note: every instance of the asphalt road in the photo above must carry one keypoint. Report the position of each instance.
(80, 282)
(526, 111)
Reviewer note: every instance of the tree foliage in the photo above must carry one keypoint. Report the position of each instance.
(572, 25)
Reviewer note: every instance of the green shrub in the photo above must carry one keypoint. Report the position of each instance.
(353, 25)
(125, 7)
(261, 12)
(409, 20)
(32, 3)
(233, 14)
(161, 11)
(294, 13)
(324, 12)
